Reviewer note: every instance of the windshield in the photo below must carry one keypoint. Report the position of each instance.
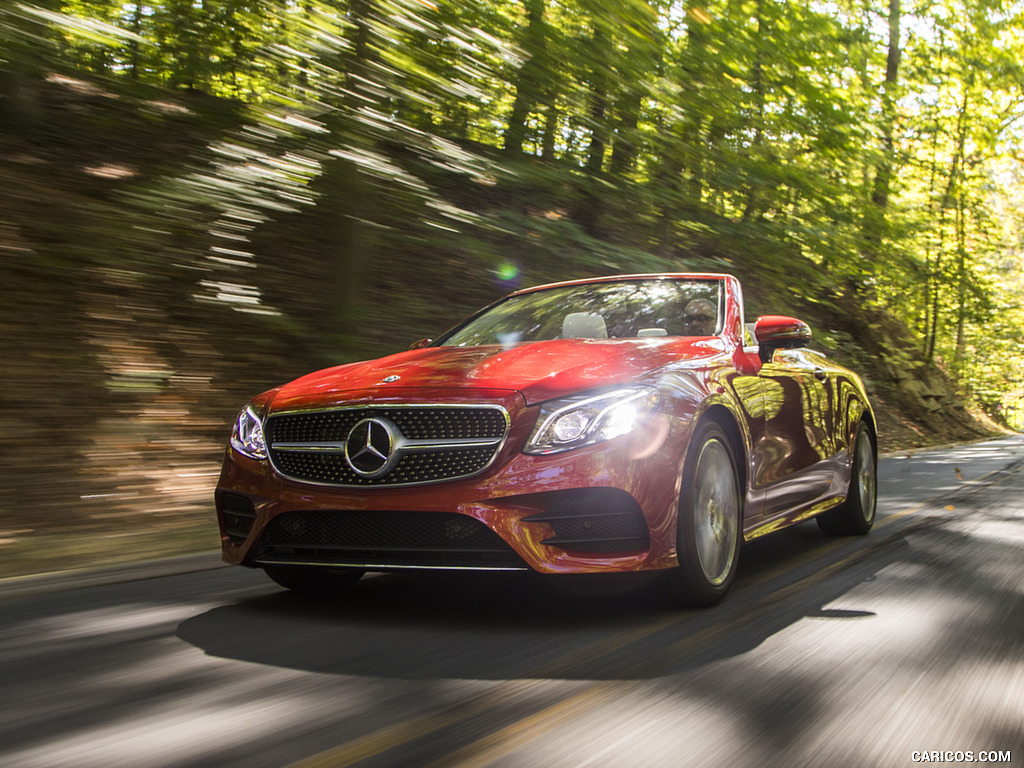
(620, 310)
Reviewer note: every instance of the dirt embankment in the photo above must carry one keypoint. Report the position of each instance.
(916, 403)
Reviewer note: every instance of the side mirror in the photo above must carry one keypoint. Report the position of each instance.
(779, 332)
(420, 344)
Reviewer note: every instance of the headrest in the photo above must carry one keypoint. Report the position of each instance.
(584, 325)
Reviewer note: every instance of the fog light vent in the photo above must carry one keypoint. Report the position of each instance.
(238, 515)
(595, 520)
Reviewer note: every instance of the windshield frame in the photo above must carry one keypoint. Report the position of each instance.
(717, 280)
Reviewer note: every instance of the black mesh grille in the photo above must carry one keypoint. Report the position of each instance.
(438, 423)
(385, 538)
(617, 528)
(599, 520)
(414, 423)
(411, 468)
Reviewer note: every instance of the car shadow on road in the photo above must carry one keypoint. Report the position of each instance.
(495, 626)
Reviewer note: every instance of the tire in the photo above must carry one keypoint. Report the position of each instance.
(313, 580)
(709, 524)
(857, 514)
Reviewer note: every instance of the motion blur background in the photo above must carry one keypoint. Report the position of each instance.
(201, 199)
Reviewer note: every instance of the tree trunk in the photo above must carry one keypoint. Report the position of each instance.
(547, 151)
(133, 46)
(529, 77)
(961, 273)
(349, 193)
(589, 213)
(951, 200)
(875, 215)
(598, 102)
(757, 77)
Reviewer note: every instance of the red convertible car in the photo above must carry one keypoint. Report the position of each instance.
(626, 423)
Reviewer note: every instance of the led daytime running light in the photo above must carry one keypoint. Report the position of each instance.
(575, 423)
(247, 435)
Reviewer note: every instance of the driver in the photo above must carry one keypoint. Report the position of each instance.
(699, 318)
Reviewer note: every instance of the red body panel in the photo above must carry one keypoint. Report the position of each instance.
(540, 371)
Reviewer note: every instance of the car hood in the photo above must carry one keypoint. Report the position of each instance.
(540, 370)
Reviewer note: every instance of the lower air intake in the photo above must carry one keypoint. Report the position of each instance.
(603, 520)
(237, 516)
(385, 540)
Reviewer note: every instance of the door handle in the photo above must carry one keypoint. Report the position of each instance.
(820, 374)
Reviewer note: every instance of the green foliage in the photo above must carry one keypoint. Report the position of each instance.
(823, 149)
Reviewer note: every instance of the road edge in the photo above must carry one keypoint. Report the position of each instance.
(44, 583)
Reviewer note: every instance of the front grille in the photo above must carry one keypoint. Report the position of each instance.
(412, 468)
(428, 443)
(595, 520)
(385, 540)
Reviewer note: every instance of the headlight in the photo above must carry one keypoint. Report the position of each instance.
(578, 421)
(247, 435)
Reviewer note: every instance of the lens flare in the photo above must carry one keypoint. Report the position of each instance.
(507, 273)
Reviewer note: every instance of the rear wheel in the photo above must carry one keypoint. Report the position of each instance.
(709, 523)
(857, 514)
(312, 579)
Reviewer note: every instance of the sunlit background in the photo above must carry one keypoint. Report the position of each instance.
(201, 200)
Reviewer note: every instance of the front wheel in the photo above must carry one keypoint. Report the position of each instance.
(857, 514)
(313, 580)
(710, 519)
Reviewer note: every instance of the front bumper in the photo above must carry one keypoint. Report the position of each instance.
(606, 507)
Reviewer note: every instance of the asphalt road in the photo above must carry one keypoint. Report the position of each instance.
(828, 652)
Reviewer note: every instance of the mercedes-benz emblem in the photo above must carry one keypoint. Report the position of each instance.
(370, 447)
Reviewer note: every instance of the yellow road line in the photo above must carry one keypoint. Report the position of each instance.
(390, 736)
(488, 749)
(890, 519)
(820, 551)
(386, 738)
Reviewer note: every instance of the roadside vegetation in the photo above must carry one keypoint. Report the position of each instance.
(199, 201)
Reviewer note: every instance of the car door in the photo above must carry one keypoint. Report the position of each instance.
(795, 467)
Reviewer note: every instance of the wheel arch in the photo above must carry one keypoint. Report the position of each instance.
(862, 414)
(690, 582)
(869, 420)
(725, 419)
